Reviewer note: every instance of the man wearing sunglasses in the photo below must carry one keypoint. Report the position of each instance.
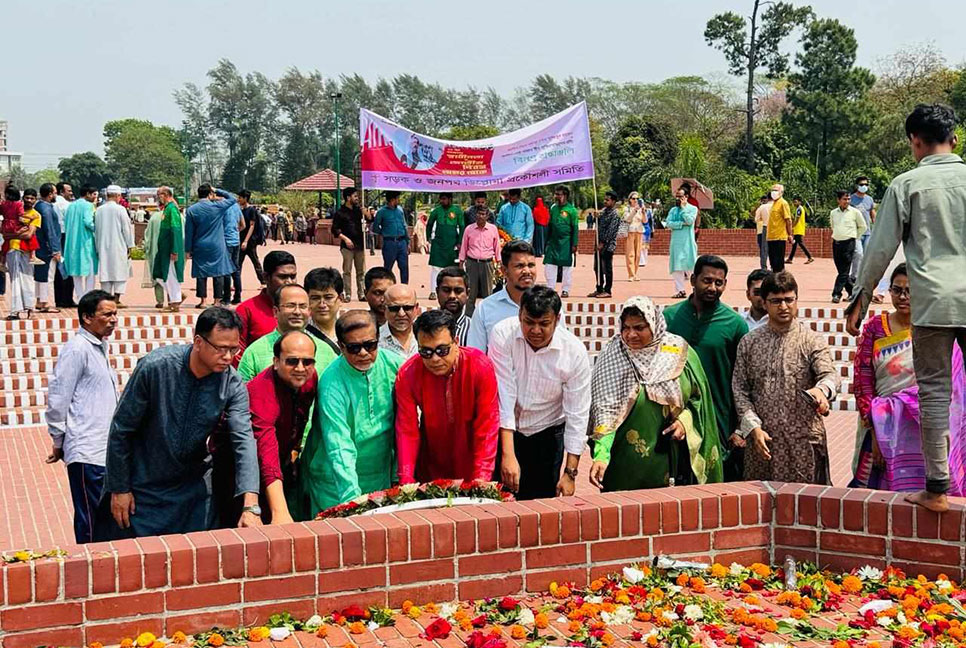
(455, 389)
(402, 309)
(349, 450)
(280, 400)
(158, 476)
(291, 310)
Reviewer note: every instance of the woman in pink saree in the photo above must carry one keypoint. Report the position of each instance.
(888, 441)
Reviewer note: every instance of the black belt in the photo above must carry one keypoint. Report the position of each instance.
(395, 238)
(480, 260)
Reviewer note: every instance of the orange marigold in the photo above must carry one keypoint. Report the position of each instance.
(852, 584)
(622, 597)
(752, 600)
(652, 640)
(956, 633)
(541, 621)
(179, 637)
(357, 627)
(682, 580)
(216, 640)
(95, 644)
(574, 627)
(798, 614)
(465, 625)
(731, 639)
(596, 585)
(643, 616)
(322, 631)
(718, 570)
(908, 633)
(431, 608)
(407, 604)
(127, 642)
(258, 634)
(873, 644)
(760, 570)
(840, 644)
(145, 639)
(607, 639)
(697, 585)
(518, 632)
(745, 588)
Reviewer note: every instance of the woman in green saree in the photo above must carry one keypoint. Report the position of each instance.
(652, 418)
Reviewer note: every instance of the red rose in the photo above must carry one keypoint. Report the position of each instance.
(354, 613)
(438, 629)
(636, 636)
(478, 622)
(746, 641)
(508, 603)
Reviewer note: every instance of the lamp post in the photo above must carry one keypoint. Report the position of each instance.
(335, 96)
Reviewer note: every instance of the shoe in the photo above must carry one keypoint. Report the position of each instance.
(789, 261)
(605, 295)
(236, 300)
(565, 294)
(810, 260)
(836, 299)
(432, 295)
(594, 294)
(159, 306)
(680, 295)
(36, 262)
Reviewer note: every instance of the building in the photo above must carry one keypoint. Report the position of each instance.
(8, 159)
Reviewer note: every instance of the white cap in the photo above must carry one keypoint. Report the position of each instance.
(113, 190)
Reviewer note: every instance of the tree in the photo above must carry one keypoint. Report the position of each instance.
(828, 111)
(638, 146)
(747, 53)
(138, 153)
(303, 102)
(197, 135)
(84, 169)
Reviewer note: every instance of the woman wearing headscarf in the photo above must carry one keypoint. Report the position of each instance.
(652, 417)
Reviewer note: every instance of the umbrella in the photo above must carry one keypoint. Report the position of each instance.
(699, 192)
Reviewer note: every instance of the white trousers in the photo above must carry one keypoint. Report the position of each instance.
(172, 287)
(680, 281)
(21, 281)
(82, 286)
(551, 273)
(114, 287)
(433, 273)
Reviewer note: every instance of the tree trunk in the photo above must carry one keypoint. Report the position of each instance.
(750, 97)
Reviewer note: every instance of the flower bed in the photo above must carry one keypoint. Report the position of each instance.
(679, 607)
(438, 493)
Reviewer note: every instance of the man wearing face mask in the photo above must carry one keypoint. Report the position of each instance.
(543, 372)
(861, 200)
(780, 229)
(454, 389)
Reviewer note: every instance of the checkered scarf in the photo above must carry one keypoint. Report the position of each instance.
(620, 371)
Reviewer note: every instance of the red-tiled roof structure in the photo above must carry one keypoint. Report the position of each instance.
(324, 180)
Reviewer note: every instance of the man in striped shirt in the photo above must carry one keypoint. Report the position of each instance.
(452, 295)
(80, 403)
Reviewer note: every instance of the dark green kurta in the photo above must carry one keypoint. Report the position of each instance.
(170, 241)
(446, 225)
(561, 235)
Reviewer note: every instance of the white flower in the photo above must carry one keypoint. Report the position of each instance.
(410, 488)
(944, 585)
(314, 621)
(914, 625)
(279, 634)
(693, 612)
(561, 619)
(607, 618)
(652, 633)
(901, 617)
(870, 573)
(736, 569)
(624, 615)
(447, 610)
(594, 599)
(673, 589)
(876, 605)
(525, 617)
(633, 575)
(884, 621)
(373, 626)
(774, 645)
(669, 616)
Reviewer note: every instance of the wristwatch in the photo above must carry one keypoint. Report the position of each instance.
(571, 472)
(254, 509)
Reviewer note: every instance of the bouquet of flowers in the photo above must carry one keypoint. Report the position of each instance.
(439, 489)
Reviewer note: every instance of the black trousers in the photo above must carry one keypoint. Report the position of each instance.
(63, 286)
(541, 457)
(234, 277)
(776, 255)
(86, 483)
(604, 268)
(251, 253)
(201, 287)
(842, 253)
(799, 242)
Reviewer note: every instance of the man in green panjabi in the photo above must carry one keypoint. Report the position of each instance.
(168, 266)
(350, 450)
(560, 250)
(444, 229)
(291, 308)
(714, 330)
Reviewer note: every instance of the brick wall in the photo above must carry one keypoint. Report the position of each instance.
(723, 242)
(103, 592)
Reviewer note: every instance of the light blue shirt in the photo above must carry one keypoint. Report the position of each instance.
(390, 222)
(81, 398)
(232, 216)
(516, 220)
(490, 312)
(864, 203)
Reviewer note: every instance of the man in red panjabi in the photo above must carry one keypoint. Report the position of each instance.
(256, 313)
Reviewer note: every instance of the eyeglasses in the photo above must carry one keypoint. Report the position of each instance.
(442, 351)
(398, 307)
(232, 351)
(778, 301)
(293, 307)
(355, 348)
(899, 292)
(308, 363)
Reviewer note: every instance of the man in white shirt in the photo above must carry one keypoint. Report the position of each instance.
(114, 240)
(402, 309)
(81, 397)
(756, 315)
(543, 373)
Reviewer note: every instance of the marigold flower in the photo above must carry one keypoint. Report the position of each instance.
(798, 614)
(145, 639)
(752, 600)
(731, 640)
(322, 631)
(127, 642)
(541, 621)
(682, 580)
(258, 634)
(179, 637)
(216, 640)
(431, 608)
(852, 584)
(652, 640)
(357, 627)
(597, 585)
(414, 612)
(465, 625)
(956, 632)
(908, 633)
(840, 644)
(574, 627)
(744, 588)
(95, 644)
(718, 570)
(406, 606)
(643, 616)
(622, 597)
(760, 570)
(518, 632)
(873, 644)
(607, 639)
(697, 585)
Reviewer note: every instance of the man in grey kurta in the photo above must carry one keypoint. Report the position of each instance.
(204, 240)
(158, 478)
(923, 209)
(114, 240)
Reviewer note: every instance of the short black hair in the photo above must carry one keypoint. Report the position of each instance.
(352, 321)
(277, 347)
(710, 261)
(390, 195)
(859, 179)
(900, 270)
(244, 193)
(840, 193)
(758, 275)
(46, 189)
(277, 295)
(450, 272)
(275, 260)
(932, 123)
(217, 316)
(798, 198)
(612, 195)
(780, 282)
(204, 191)
(87, 306)
(11, 193)
(445, 194)
(562, 188)
(87, 189)
(60, 186)
(434, 320)
(540, 300)
(348, 191)
(376, 273)
(517, 246)
(322, 278)
(29, 191)
(513, 192)
(479, 194)
(686, 188)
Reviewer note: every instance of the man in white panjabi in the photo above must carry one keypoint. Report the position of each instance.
(114, 240)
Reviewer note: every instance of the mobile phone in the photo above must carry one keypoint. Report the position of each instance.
(808, 398)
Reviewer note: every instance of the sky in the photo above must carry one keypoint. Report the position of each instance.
(85, 63)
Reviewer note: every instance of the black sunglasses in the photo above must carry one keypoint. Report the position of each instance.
(294, 362)
(406, 307)
(355, 348)
(442, 351)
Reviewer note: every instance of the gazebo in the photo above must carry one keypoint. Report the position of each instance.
(324, 180)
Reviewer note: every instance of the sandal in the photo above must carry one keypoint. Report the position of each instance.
(12, 318)
(680, 295)
(201, 305)
(48, 309)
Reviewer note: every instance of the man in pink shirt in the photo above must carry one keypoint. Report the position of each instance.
(478, 252)
(447, 407)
